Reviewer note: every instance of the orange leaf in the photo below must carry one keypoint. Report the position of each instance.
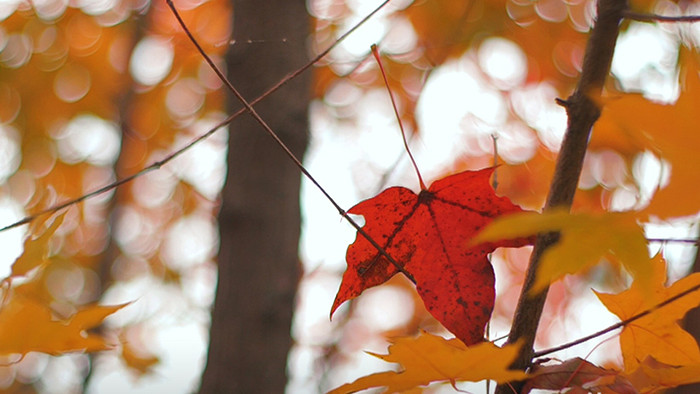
(441, 27)
(431, 358)
(36, 250)
(670, 131)
(652, 376)
(27, 325)
(658, 334)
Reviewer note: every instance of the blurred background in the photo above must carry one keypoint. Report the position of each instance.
(95, 90)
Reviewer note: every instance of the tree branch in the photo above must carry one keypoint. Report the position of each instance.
(616, 325)
(659, 18)
(156, 165)
(582, 111)
(248, 106)
(674, 240)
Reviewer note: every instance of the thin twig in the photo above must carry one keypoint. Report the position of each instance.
(617, 325)
(494, 182)
(156, 165)
(660, 18)
(672, 240)
(281, 144)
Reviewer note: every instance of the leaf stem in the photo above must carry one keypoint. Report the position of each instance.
(375, 52)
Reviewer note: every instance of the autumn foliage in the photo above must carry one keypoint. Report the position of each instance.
(653, 344)
(81, 105)
(426, 233)
(67, 69)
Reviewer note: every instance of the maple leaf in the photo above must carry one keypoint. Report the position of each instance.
(427, 234)
(431, 358)
(584, 240)
(657, 334)
(652, 376)
(667, 130)
(577, 373)
(30, 326)
(27, 323)
(36, 250)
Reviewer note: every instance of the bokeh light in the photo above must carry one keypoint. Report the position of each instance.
(16, 51)
(151, 60)
(503, 61)
(10, 153)
(50, 9)
(87, 123)
(72, 83)
(89, 138)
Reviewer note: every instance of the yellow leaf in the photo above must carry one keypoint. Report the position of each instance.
(27, 325)
(431, 358)
(584, 240)
(36, 250)
(652, 376)
(674, 376)
(658, 334)
(670, 131)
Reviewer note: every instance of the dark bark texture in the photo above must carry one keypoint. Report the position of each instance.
(259, 218)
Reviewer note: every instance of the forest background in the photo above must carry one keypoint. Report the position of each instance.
(93, 91)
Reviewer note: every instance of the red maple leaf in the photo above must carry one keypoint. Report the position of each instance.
(428, 236)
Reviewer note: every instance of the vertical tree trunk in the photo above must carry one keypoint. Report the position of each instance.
(259, 218)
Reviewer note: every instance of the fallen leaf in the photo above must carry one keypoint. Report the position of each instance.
(658, 334)
(584, 240)
(428, 235)
(431, 358)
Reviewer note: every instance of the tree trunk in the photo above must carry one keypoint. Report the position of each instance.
(259, 218)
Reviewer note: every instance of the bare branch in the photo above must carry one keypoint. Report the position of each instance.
(582, 112)
(672, 240)
(660, 18)
(156, 165)
(248, 107)
(617, 325)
